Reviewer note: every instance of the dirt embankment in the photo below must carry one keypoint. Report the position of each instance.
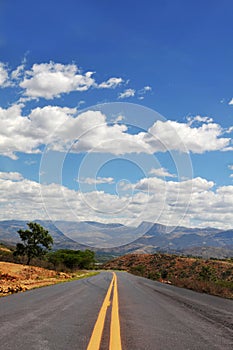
(17, 278)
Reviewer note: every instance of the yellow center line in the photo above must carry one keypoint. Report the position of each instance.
(115, 334)
(94, 343)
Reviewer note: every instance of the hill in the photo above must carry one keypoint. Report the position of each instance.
(208, 276)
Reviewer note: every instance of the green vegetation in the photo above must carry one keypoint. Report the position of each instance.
(138, 270)
(102, 257)
(72, 259)
(65, 260)
(35, 242)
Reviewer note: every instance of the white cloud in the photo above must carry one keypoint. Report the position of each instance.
(141, 93)
(97, 180)
(161, 172)
(127, 93)
(147, 88)
(196, 185)
(120, 118)
(229, 130)
(199, 119)
(90, 132)
(144, 90)
(18, 72)
(166, 202)
(25, 134)
(49, 80)
(230, 102)
(231, 168)
(182, 137)
(4, 76)
(13, 132)
(30, 162)
(111, 83)
(12, 176)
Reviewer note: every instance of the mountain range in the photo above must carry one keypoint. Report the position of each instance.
(105, 238)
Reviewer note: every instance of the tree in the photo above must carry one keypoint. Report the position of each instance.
(35, 242)
(72, 259)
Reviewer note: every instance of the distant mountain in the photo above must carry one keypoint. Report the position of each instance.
(146, 238)
(97, 234)
(9, 235)
(209, 242)
(225, 235)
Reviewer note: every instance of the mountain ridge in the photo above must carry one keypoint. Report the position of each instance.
(156, 237)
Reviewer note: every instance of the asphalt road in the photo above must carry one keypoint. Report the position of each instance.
(152, 316)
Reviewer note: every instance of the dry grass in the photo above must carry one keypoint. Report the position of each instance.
(5, 249)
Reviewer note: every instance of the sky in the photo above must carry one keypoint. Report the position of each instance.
(117, 112)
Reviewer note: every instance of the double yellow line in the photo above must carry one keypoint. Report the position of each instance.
(115, 334)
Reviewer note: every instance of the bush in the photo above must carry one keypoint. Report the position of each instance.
(140, 269)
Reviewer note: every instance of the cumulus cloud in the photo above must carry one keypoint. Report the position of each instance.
(58, 127)
(127, 93)
(196, 185)
(26, 134)
(97, 180)
(12, 176)
(176, 202)
(49, 80)
(185, 202)
(111, 83)
(230, 102)
(184, 138)
(161, 172)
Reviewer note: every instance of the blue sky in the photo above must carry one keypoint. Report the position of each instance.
(158, 146)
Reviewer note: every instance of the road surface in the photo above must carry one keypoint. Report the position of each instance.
(139, 313)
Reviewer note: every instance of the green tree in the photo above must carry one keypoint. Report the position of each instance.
(72, 259)
(35, 242)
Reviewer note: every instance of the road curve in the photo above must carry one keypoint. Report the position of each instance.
(152, 316)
